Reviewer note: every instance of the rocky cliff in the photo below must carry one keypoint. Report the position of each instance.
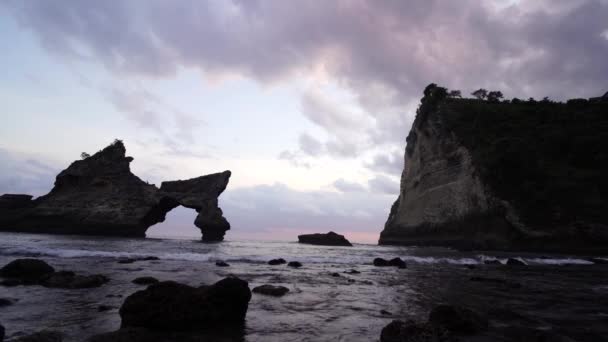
(512, 175)
(100, 196)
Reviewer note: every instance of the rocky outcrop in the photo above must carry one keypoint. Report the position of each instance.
(100, 196)
(171, 306)
(38, 272)
(329, 239)
(512, 175)
(271, 290)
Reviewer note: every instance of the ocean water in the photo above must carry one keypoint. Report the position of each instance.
(563, 294)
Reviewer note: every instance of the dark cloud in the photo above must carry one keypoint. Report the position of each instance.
(384, 185)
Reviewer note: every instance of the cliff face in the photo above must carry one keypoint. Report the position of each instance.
(516, 175)
(100, 196)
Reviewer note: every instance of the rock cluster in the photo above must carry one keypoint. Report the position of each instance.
(100, 196)
(38, 272)
(396, 262)
(329, 239)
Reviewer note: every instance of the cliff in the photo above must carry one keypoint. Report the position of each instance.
(510, 175)
(100, 196)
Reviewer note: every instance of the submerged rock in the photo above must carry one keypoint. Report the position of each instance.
(380, 262)
(295, 264)
(100, 196)
(171, 306)
(145, 280)
(458, 319)
(410, 331)
(279, 261)
(515, 262)
(329, 239)
(221, 263)
(271, 290)
(6, 302)
(42, 336)
(38, 272)
(27, 270)
(397, 262)
(492, 262)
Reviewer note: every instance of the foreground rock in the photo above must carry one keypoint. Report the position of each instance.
(271, 290)
(481, 175)
(515, 262)
(279, 261)
(42, 336)
(294, 264)
(445, 324)
(396, 262)
(100, 196)
(170, 306)
(329, 239)
(38, 272)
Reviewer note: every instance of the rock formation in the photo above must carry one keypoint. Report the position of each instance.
(100, 196)
(512, 175)
(329, 239)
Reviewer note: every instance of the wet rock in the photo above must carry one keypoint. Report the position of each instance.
(150, 258)
(271, 290)
(221, 263)
(515, 262)
(295, 264)
(103, 308)
(171, 306)
(42, 336)
(379, 262)
(492, 262)
(6, 302)
(70, 280)
(329, 239)
(127, 261)
(335, 274)
(279, 261)
(352, 272)
(397, 262)
(26, 270)
(145, 280)
(1, 333)
(399, 331)
(458, 319)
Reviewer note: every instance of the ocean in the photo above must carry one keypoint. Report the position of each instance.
(564, 294)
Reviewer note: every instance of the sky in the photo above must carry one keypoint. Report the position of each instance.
(307, 103)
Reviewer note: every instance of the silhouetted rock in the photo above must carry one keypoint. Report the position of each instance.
(42, 336)
(103, 308)
(515, 262)
(397, 262)
(145, 280)
(492, 262)
(100, 196)
(352, 272)
(410, 331)
(598, 260)
(26, 270)
(170, 306)
(335, 274)
(481, 175)
(380, 262)
(221, 263)
(1, 333)
(70, 280)
(271, 290)
(127, 261)
(295, 264)
(329, 239)
(458, 319)
(279, 261)
(147, 335)
(6, 302)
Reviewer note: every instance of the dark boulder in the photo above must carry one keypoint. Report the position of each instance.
(150, 258)
(27, 270)
(515, 262)
(171, 306)
(271, 290)
(397, 262)
(379, 262)
(70, 280)
(335, 274)
(104, 308)
(458, 319)
(492, 262)
(145, 280)
(42, 336)
(279, 261)
(295, 264)
(353, 271)
(127, 261)
(410, 331)
(6, 302)
(221, 263)
(329, 239)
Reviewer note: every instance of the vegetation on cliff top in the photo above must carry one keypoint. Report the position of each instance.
(549, 159)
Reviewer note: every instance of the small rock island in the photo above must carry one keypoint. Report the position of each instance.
(329, 239)
(99, 195)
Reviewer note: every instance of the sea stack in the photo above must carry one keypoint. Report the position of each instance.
(99, 195)
(329, 239)
(513, 175)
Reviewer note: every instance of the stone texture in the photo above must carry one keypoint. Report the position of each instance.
(329, 239)
(100, 196)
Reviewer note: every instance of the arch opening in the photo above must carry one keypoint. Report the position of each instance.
(178, 224)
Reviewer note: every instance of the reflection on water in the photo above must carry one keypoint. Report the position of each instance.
(561, 293)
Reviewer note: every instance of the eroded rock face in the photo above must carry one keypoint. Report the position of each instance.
(482, 175)
(100, 196)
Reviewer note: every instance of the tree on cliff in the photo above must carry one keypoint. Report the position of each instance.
(494, 96)
(84, 155)
(480, 94)
(455, 94)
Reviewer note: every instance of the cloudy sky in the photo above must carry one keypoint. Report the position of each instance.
(307, 102)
